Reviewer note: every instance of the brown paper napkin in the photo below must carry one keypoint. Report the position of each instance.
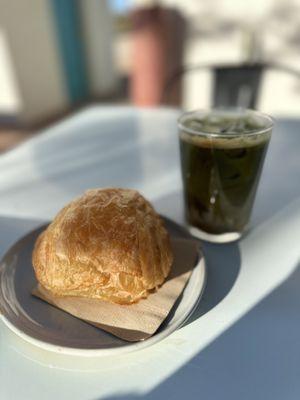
(137, 321)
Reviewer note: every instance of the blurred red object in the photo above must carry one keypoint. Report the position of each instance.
(158, 44)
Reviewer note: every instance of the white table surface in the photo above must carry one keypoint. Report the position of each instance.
(243, 342)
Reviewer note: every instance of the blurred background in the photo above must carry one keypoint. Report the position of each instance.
(57, 56)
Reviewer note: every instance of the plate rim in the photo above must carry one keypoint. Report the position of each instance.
(199, 269)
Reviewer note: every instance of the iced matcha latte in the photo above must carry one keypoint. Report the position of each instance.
(222, 154)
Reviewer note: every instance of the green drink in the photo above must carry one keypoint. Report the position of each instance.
(222, 154)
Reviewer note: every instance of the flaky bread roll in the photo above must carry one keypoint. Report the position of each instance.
(108, 244)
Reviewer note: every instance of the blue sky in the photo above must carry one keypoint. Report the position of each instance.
(119, 6)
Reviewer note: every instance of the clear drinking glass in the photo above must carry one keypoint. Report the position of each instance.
(222, 155)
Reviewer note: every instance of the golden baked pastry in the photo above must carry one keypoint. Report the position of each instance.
(108, 244)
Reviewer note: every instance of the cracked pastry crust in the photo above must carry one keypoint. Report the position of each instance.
(108, 244)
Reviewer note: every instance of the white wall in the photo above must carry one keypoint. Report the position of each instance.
(10, 101)
(28, 27)
(97, 29)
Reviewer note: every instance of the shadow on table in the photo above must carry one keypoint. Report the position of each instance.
(223, 264)
(256, 358)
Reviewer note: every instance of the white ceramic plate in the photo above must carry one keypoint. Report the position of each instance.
(54, 330)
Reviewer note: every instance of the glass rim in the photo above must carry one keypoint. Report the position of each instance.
(267, 118)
